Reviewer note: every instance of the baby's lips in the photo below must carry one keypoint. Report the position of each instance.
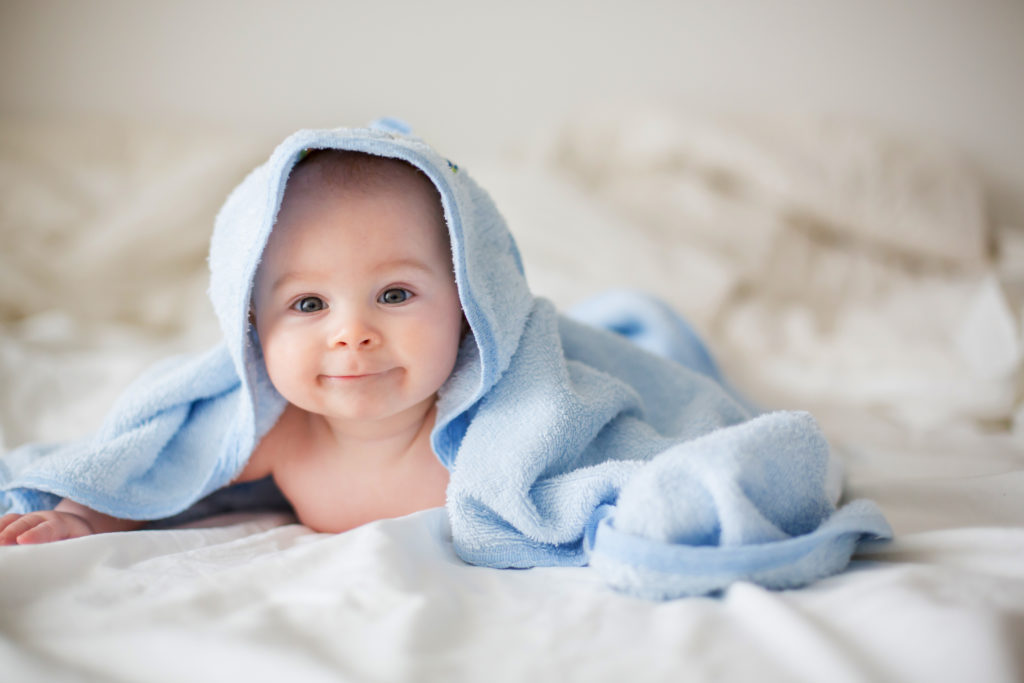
(355, 374)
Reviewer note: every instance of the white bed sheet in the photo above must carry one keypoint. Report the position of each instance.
(261, 598)
(390, 601)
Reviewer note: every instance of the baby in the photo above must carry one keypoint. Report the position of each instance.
(382, 353)
(358, 315)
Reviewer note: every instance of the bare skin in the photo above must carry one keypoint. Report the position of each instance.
(67, 520)
(336, 483)
(358, 316)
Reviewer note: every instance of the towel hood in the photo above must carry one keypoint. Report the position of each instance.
(488, 269)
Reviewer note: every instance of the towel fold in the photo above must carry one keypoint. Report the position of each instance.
(608, 440)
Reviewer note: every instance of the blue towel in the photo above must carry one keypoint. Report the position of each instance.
(567, 444)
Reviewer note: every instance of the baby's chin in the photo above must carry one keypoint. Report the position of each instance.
(360, 416)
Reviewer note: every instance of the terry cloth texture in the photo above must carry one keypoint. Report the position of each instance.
(567, 444)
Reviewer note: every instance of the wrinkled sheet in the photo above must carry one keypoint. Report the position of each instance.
(390, 601)
(94, 290)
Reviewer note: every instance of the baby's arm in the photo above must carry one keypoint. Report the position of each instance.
(67, 520)
(71, 520)
(270, 448)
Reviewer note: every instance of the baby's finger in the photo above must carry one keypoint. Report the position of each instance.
(14, 525)
(42, 531)
(6, 522)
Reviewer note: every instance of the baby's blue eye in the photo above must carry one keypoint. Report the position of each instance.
(309, 304)
(396, 295)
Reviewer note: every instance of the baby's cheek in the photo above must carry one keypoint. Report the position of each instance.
(443, 356)
(282, 356)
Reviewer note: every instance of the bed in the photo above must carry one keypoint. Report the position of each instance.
(833, 266)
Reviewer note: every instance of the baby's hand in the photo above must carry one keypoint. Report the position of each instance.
(42, 527)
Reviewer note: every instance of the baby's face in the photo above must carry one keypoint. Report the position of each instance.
(356, 306)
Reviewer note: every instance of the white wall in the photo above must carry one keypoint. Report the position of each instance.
(475, 75)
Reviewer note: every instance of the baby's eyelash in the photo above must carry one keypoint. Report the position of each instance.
(309, 304)
(394, 296)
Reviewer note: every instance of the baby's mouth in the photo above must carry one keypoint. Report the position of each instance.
(356, 376)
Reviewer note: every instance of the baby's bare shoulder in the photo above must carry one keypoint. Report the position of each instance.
(288, 435)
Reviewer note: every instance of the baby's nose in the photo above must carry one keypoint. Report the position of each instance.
(355, 333)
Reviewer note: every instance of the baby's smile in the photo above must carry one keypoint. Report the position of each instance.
(358, 376)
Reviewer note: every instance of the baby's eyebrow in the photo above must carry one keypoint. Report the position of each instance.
(284, 279)
(403, 263)
(384, 267)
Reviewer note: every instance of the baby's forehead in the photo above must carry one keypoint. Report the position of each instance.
(343, 170)
(326, 181)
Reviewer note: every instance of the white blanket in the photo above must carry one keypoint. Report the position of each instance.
(390, 601)
(92, 292)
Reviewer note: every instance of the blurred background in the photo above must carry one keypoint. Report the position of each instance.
(474, 76)
(831, 191)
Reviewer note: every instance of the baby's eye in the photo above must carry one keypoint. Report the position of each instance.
(396, 295)
(309, 304)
